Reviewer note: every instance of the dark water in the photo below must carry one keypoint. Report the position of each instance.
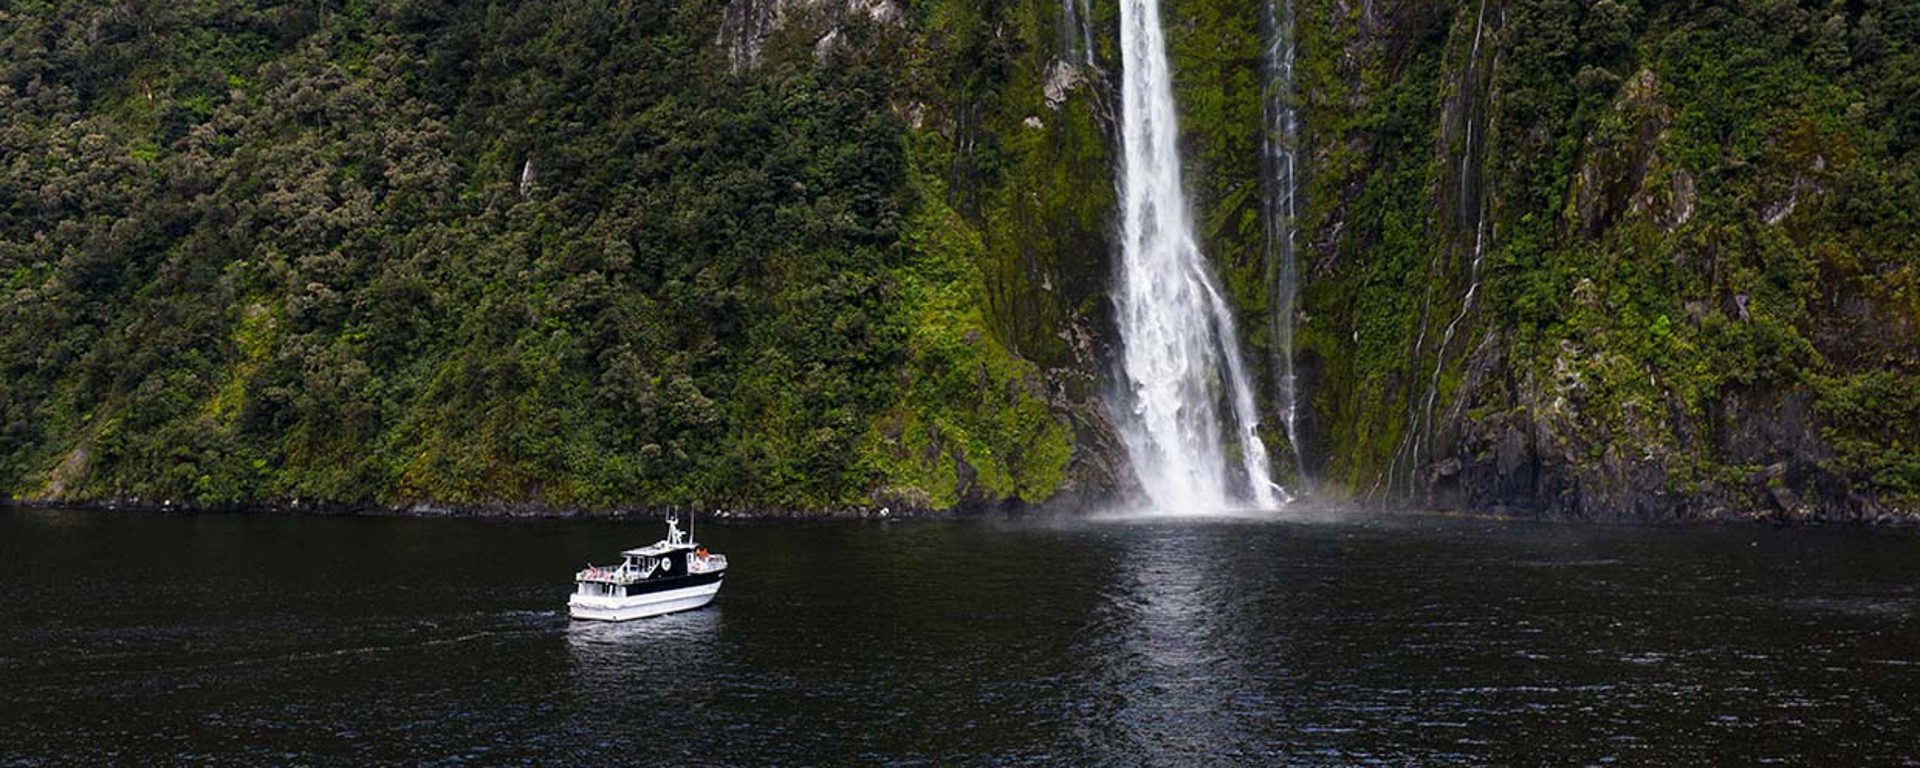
(143, 639)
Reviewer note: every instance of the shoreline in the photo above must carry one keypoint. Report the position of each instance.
(1063, 508)
(527, 511)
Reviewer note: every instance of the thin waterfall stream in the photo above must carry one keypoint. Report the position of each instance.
(1470, 210)
(1281, 153)
(1077, 32)
(1181, 351)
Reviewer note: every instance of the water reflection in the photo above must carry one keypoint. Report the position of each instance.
(1173, 611)
(631, 682)
(1144, 642)
(611, 653)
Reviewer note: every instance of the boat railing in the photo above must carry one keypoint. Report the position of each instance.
(628, 574)
(623, 574)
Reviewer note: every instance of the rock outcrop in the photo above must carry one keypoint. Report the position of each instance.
(746, 24)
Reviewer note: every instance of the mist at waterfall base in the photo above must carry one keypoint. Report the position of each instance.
(1181, 354)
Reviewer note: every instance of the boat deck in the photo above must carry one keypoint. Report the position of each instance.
(627, 574)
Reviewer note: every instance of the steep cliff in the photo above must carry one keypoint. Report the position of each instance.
(1600, 260)
(1648, 262)
(567, 253)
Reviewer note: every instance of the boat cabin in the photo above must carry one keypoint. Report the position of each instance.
(673, 574)
(674, 558)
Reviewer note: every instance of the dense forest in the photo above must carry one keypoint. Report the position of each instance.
(462, 252)
(1609, 259)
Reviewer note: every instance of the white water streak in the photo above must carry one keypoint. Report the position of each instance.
(1080, 20)
(1282, 154)
(1469, 84)
(1180, 344)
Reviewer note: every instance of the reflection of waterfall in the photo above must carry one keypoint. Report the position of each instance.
(1469, 210)
(1280, 151)
(1181, 348)
(1174, 613)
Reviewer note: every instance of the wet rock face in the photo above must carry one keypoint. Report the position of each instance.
(1547, 454)
(1591, 422)
(1600, 431)
(1546, 461)
(1099, 472)
(1615, 178)
(744, 28)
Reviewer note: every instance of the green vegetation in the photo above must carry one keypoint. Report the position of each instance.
(564, 252)
(278, 250)
(1696, 264)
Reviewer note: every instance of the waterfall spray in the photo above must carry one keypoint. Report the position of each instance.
(1181, 348)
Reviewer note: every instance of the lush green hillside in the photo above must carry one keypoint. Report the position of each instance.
(465, 252)
(1698, 256)
(1613, 259)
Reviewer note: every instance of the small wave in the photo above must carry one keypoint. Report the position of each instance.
(1597, 562)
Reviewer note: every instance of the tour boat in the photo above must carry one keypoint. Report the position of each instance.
(673, 574)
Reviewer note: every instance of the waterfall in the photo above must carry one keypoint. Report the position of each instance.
(1470, 209)
(1180, 346)
(1280, 152)
(1077, 32)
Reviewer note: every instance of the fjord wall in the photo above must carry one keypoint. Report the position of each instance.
(1614, 260)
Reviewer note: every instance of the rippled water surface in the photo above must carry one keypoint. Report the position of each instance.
(143, 639)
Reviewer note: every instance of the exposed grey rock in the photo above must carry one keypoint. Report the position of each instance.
(746, 24)
(1680, 210)
(1613, 176)
(1062, 78)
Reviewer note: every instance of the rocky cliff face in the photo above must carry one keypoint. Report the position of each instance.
(1609, 261)
(1626, 259)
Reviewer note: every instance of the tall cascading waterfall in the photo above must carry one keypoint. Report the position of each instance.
(1181, 349)
(1280, 152)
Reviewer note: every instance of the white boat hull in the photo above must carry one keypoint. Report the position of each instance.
(599, 608)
